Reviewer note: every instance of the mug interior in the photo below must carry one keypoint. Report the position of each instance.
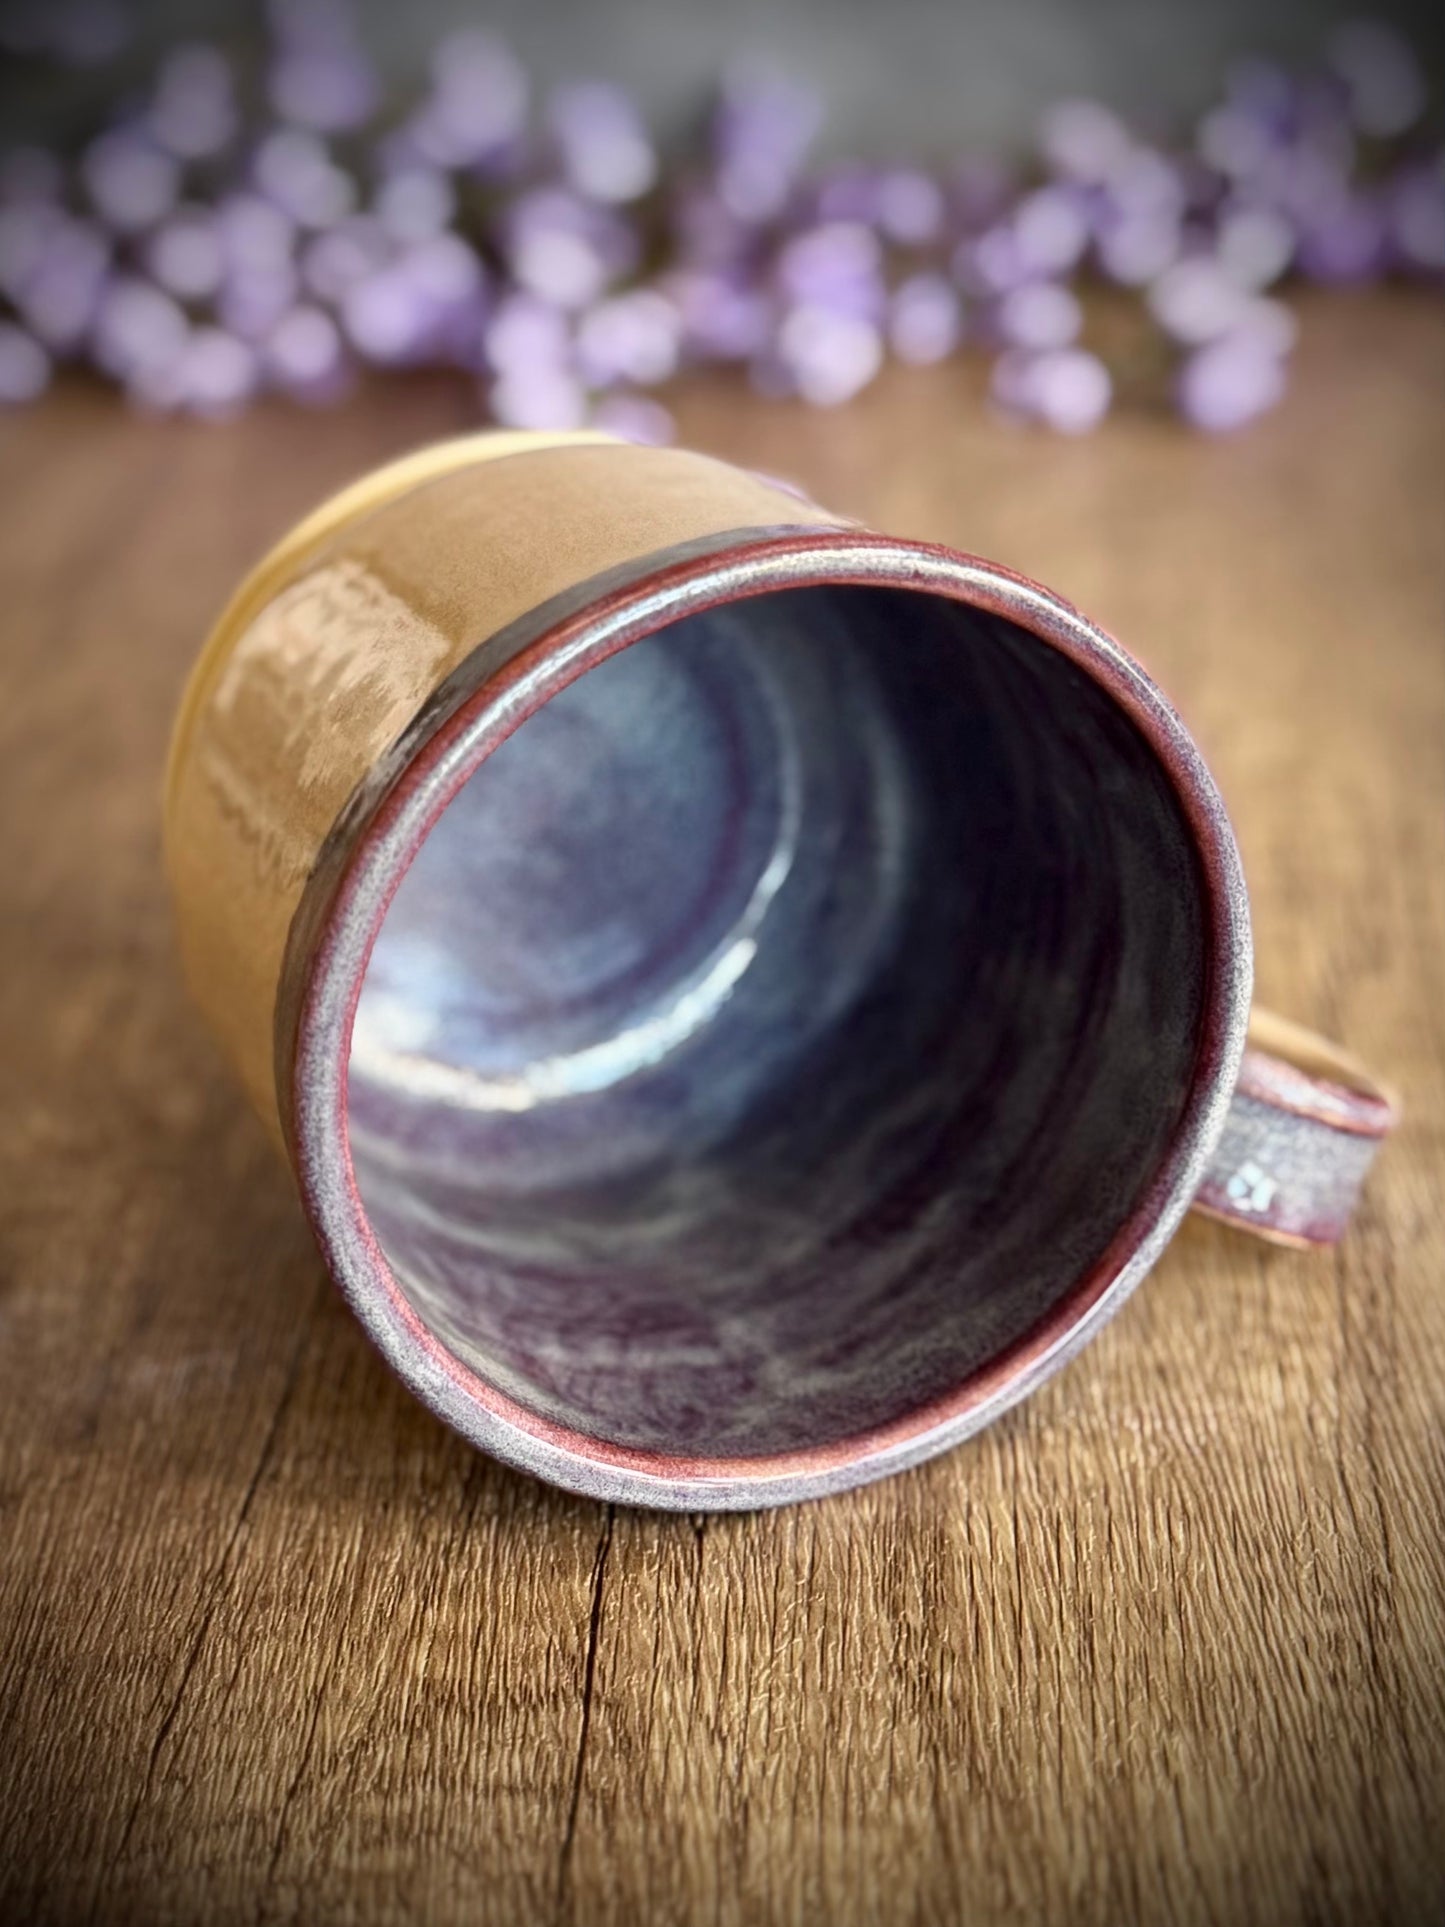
(780, 1023)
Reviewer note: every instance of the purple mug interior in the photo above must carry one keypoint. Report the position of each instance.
(777, 1027)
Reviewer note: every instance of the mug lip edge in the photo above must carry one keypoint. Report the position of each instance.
(377, 836)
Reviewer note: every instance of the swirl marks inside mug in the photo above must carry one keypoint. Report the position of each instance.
(779, 1023)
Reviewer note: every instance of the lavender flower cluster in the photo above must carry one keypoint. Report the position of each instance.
(247, 227)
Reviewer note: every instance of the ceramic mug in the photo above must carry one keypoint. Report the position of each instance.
(744, 998)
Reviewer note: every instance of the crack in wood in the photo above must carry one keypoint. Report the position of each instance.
(218, 1591)
(594, 1629)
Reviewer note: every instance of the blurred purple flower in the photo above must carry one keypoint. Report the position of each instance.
(24, 365)
(911, 207)
(1269, 324)
(1145, 184)
(991, 263)
(25, 230)
(156, 388)
(218, 374)
(847, 191)
(633, 338)
(340, 256)
(752, 258)
(525, 332)
(1345, 242)
(1265, 91)
(304, 357)
(829, 356)
(447, 267)
(1066, 389)
(131, 181)
(452, 284)
(387, 318)
(1236, 140)
(1039, 315)
(138, 330)
(328, 93)
(1132, 249)
(925, 319)
(185, 255)
(564, 249)
(1137, 217)
(295, 171)
(1010, 381)
(320, 77)
(1227, 384)
(415, 202)
(538, 397)
(424, 303)
(479, 101)
(605, 150)
(63, 284)
(1301, 182)
(1254, 245)
(1083, 141)
(1196, 301)
(762, 131)
(1382, 76)
(978, 192)
(706, 233)
(836, 266)
(253, 300)
(1051, 229)
(255, 234)
(1072, 390)
(907, 205)
(635, 418)
(724, 316)
(192, 112)
(1417, 217)
(1323, 122)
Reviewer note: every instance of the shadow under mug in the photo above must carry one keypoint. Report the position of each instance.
(744, 998)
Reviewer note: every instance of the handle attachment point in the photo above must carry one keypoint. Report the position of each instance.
(1303, 1129)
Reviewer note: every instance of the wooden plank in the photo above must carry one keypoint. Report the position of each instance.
(1167, 1643)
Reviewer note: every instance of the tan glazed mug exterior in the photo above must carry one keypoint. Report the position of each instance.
(744, 998)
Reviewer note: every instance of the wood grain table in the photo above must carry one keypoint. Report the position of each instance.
(1168, 1644)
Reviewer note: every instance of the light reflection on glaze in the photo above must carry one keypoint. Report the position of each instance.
(413, 1076)
(405, 1013)
(715, 744)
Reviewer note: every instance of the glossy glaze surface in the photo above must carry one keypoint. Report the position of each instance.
(780, 1023)
(341, 637)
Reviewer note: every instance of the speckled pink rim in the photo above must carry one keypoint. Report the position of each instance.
(502, 682)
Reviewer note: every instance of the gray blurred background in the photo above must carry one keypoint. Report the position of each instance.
(905, 76)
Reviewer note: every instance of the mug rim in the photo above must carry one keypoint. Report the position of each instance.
(502, 681)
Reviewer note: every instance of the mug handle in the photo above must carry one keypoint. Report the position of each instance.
(1303, 1128)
